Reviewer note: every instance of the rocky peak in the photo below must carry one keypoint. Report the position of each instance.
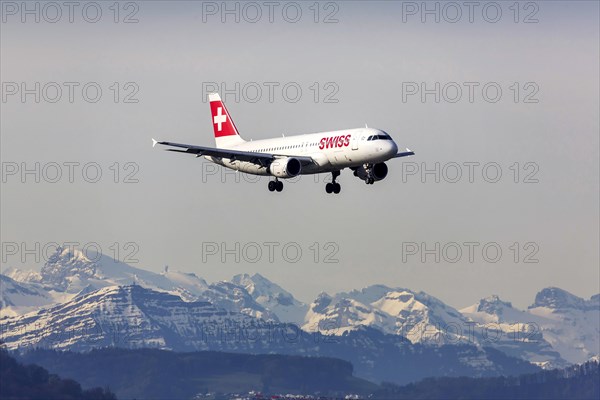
(67, 263)
(557, 298)
(493, 305)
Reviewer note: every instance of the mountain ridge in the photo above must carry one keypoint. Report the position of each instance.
(136, 317)
(557, 329)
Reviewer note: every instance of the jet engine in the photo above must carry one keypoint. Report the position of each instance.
(372, 173)
(286, 167)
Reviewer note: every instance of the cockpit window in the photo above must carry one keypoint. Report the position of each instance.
(380, 137)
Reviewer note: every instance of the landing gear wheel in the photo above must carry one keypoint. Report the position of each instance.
(279, 186)
(333, 186)
(272, 186)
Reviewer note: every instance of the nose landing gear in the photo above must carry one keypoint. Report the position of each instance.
(275, 185)
(366, 173)
(333, 187)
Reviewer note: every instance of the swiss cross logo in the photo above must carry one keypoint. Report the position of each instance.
(220, 118)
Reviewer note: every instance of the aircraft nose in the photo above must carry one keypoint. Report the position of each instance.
(393, 148)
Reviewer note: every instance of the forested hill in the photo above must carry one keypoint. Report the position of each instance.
(161, 374)
(575, 382)
(18, 381)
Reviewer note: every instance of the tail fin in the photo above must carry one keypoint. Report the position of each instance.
(226, 134)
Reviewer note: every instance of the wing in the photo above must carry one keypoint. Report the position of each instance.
(263, 159)
(406, 153)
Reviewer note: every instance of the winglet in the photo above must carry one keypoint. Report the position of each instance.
(154, 142)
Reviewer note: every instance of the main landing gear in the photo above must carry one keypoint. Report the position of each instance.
(333, 187)
(275, 185)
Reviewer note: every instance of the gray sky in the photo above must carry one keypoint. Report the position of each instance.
(368, 61)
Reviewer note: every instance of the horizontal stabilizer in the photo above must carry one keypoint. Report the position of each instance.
(406, 153)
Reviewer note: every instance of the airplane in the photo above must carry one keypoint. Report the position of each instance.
(363, 150)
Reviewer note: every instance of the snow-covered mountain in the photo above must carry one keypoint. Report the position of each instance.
(69, 271)
(559, 299)
(419, 317)
(233, 297)
(512, 331)
(571, 324)
(272, 297)
(557, 328)
(22, 275)
(558, 320)
(133, 317)
(127, 316)
(19, 298)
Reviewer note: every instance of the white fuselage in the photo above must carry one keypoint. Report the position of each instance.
(331, 151)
